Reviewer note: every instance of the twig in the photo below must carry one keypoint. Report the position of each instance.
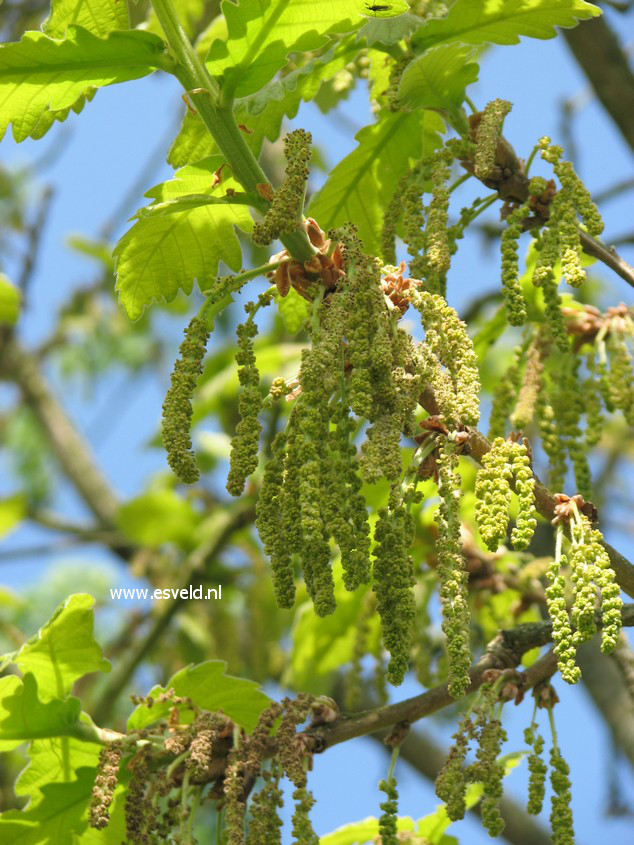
(504, 652)
(72, 452)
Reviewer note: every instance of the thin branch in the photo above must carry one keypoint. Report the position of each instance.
(70, 449)
(599, 54)
(504, 652)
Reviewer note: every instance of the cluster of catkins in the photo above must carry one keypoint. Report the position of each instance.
(508, 462)
(210, 754)
(360, 364)
(481, 724)
(430, 240)
(594, 589)
(565, 394)
(561, 822)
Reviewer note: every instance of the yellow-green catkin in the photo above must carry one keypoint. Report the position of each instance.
(246, 442)
(451, 783)
(526, 521)
(562, 630)
(265, 824)
(561, 810)
(506, 393)
(492, 737)
(506, 461)
(438, 252)
(537, 770)
(552, 442)
(353, 693)
(456, 381)
(488, 134)
(547, 246)
(285, 212)
(452, 571)
(388, 823)
(567, 401)
(592, 401)
(177, 407)
(593, 578)
(302, 828)
(268, 520)
(621, 375)
(571, 200)
(511, 287)
(393, 576)
(531, 384)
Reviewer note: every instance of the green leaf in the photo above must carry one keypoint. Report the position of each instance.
(157, 517)
(54, 761)
(361, 832)
(54, 820)
(12, 512)
(64, 649)
(321, 645)
(193, 201)
(293, 309)
(438, 78)
(98, 16)
(159, 256)
(211, 689)
(38, 73)
(261, 34)
(24, 717)
(262, 113)
(482, 21)
(360, 186)
(389, 30)
(9, 302)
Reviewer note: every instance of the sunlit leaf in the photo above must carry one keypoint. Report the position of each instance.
(64, 649)
(209, 687)
(161, 255)
(97, 16)
(482, 21)
(261, 34)
(38, 73)
(360, 186)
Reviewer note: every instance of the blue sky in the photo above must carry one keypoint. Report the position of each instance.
(103, 151)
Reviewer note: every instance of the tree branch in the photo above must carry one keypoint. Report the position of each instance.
(72, 452)
(505, 651)
(599, 54)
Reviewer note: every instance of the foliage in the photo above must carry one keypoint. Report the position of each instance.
(362, 546)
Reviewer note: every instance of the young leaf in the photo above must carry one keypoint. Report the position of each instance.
(210, 688)
(161, 255)
(360, 186)
(293, 309)
(54, 761)
(24, 717)
(157, 517)
(38, 73)
(9, 302)
(438, 78)
(54, 820)
(64, 649)
(261, 34)
(482, 21)
(262, 113)
(97, 16)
